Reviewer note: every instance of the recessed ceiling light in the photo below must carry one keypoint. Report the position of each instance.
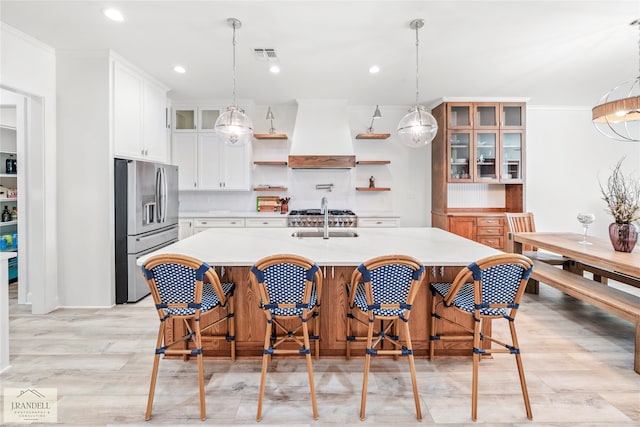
(274, 69)
(374, 69)
(179, 69)
(113, 14)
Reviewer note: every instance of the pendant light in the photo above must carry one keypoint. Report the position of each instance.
(617, 115)
(418, 127)
(234, 126)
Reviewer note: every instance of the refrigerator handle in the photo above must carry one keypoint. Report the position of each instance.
(165, 194)
(158, 194)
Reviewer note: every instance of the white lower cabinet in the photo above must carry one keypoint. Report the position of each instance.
(378, 222)
(265, 222)
(185, 228)
(201, 224)
(206, 163)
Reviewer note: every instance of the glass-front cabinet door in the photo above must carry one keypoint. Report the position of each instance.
(184, 119)
(512, 115)
(459, 155)
(511, 143)
(486, 116)
(460, 115)
(485, 156)
(207, 118)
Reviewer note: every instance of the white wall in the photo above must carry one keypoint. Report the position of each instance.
(28, 67)
(566, 156)
(85, 159)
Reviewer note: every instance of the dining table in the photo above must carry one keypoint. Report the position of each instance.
(597, 251)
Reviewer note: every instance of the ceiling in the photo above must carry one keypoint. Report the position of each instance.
(562, 52)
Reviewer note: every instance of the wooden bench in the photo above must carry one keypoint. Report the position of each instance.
(602, 275)
(617, 302)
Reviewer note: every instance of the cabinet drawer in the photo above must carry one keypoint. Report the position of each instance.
(490, 231)
(378, 222)
(265, 222)
(494, 242)
(490, 221)
(219, 222)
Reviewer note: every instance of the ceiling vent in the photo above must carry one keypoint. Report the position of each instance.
(265, 54)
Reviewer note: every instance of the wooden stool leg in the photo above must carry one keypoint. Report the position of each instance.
(523, 382)
(154, 372)
(365, 380)
(231, 327)
(412, 367)
(348, 343)
(476, 361)
(305, 331)
(434, 320)
(265, 362)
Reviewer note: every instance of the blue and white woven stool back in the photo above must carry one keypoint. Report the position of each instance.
(501, 283)
(390, 283)
(175, 283)
(285, 283)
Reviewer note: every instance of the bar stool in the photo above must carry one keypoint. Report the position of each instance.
(383, 289)
(187, 289)
(486, 290)
(290, 287)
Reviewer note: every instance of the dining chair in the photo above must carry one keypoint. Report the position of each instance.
(486, 290)
(524, 222)
(188, 289)
(290, 287)
(381, 292)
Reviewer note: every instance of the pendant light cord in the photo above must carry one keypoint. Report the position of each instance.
(417, 62)
(234, 64)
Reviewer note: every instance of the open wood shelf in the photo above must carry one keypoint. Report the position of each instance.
(270, 189)
(373, 189)
(373, 162)
(270, 136)
(270, 163)
(373, 135)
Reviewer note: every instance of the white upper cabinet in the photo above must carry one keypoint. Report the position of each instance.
(154, 123)
(206, 163)
(221, 166)
(139, 115)
(192, 118)
(185, 155)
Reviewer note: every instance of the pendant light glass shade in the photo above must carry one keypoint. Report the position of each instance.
(617, 115)
(234, 126)
(418, 127)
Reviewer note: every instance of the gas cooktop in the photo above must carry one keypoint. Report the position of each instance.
(314, 218)
(336, 212)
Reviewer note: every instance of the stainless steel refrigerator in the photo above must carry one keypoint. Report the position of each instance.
(146, 219)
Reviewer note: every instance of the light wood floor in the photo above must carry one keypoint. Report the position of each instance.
(578, 362)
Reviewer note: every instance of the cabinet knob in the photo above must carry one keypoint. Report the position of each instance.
(378, 222)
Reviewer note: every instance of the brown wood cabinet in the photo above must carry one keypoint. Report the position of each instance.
(478, 143)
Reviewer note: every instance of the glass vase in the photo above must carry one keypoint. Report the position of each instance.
(623, 236)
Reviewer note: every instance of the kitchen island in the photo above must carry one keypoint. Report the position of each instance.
(236, 250)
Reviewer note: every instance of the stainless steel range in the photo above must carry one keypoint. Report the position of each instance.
(315, 218)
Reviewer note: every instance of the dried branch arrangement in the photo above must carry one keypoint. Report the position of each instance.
(622, 195)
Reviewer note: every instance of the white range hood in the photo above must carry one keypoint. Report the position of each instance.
(322, 137)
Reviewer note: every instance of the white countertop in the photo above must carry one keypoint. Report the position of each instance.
(255, 214)
(230, 214)
(244, 246)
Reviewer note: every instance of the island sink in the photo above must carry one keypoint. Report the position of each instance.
(332, 233)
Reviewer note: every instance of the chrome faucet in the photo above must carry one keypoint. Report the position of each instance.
(324, 209)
